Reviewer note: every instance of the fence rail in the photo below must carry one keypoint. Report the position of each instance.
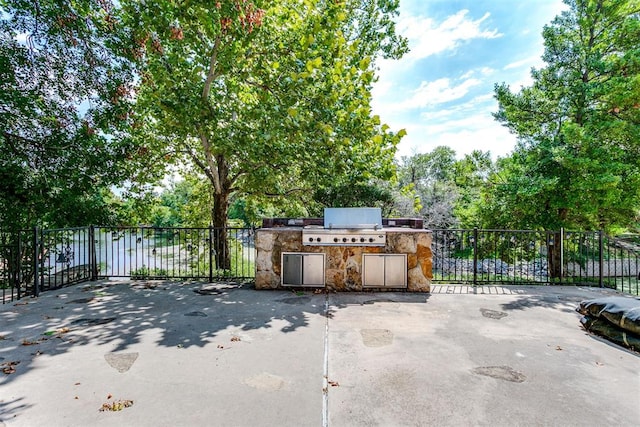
(589, 258)
(32, 261)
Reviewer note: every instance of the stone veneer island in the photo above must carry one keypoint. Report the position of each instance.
(343, 265)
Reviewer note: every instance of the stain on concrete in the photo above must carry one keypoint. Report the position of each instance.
(266, 382)
(81, 300)
(398, 381)
(122, 362)
(505, 373)
(376, 337)
(296, 300)
(196, 314)
(93, 322)
(208, 291)
(493, 314)
(373, 301)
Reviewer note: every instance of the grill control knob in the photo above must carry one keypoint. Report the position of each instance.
(371, 239)
(344, 239)
(362, 239)
(353, 239)
(311, 239)
(335, 239)
(318, 240)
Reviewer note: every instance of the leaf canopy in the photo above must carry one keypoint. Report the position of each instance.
(578, 124)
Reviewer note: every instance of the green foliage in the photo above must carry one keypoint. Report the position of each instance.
(355, 195)
(577, 164)
(265, 99)
(144, 272)
(179, 205)
(446, 189)
(64, 105)
(240, 264)
(249, 211)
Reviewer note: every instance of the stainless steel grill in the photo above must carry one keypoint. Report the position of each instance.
(347, 227)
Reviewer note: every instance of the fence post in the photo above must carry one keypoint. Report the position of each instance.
(36, 254)
(92, 253)
(17, 274)
(475, 256)
(210, 253)
(600, 256)
(561, 253)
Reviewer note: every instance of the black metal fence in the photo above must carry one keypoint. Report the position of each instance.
(175, 253)
(32, 261)
(478, 257)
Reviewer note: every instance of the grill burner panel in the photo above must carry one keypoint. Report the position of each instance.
(347, 227)
(343, 237)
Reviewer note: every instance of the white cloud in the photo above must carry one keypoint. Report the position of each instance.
(468, 74)
(438, 92)
(381, 88)
(427, 38)
(464, 136)
(463, 127)
(493, 137)
(483, 104)
(487, 71)
(435, 100)
(532, 61)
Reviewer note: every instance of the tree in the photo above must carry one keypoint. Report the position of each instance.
(265, 98)
(577, 161)
(431, 176)
(355, 194)
(448, 189)
(471, 176)
(64, 102)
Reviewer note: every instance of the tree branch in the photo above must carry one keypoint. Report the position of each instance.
(286, 193)
(202, 165)
(211, 164)
(212, 74)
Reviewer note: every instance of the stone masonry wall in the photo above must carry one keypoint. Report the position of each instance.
(343, 265)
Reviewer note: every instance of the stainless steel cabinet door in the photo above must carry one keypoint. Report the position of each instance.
(373, 270)
(384, 270)
(313, 270)
(292, 269)
(395, 271)
(302, 269)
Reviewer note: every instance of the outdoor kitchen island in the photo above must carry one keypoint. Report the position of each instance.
(351, 249)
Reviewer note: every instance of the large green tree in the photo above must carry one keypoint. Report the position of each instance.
(64, 103)
(577, 162)
(471, 177)
(448, 188)
(265, 98)
(431, 176)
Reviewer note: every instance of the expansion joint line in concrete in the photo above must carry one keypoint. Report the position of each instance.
(325, 373)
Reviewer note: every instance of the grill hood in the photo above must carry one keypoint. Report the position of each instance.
(353, 218)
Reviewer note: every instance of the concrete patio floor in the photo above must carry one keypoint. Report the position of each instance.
(193, 354)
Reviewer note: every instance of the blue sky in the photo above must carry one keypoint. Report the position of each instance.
(441, 92)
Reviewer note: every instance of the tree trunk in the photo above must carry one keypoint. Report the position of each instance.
(219, 214)
(554, 256)
(554, 246)
(219, 223)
